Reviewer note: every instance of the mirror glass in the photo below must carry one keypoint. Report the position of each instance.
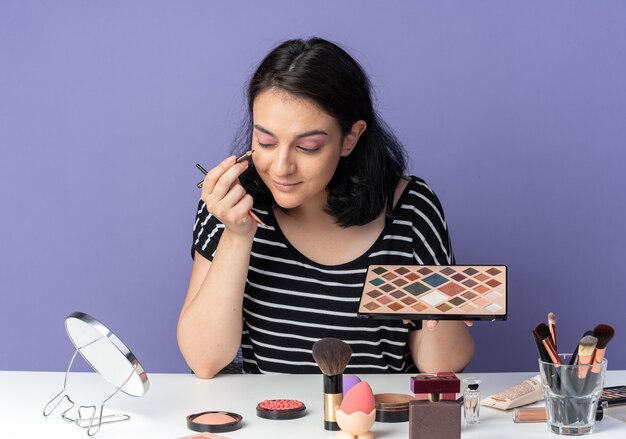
(106, 354)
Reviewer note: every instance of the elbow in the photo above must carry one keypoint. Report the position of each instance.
(203, 369)
(205, 373)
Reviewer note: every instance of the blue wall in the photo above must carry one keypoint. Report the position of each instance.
(512, 110)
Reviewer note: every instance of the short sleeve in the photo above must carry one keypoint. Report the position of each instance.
(207, 231)
(414, 325)
(432, 245)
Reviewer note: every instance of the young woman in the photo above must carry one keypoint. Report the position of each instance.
(327, 180)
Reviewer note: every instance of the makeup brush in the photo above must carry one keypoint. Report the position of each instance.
(332, 356)
(604, 333)
(543, 354)
(246, 155)
(238, 160)
(586, 346)
(574, 358)
(543, 333)
(552, 326)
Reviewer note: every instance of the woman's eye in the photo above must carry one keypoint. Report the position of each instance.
(307, 150)
(264, 145)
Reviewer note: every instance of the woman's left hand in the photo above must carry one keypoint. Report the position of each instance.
(432, 324)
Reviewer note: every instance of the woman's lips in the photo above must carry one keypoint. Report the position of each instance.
(284, 187)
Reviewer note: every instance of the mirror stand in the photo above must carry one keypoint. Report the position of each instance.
(111, 359)
(91, 423)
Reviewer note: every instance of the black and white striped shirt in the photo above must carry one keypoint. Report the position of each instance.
(290, 302)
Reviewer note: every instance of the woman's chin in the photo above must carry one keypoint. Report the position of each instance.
(286, 202)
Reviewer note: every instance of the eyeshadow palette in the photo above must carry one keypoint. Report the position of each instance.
(437, 292)
(615, 395)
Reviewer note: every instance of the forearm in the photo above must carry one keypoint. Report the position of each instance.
(448, 347)
(209, 327)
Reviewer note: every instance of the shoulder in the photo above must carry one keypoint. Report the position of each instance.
(411, 189)
(418, 196)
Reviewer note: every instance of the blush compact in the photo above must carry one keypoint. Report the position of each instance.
(281, 409)
(214, 422)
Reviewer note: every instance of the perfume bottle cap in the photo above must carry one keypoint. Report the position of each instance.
(473, 387)
(430, 383)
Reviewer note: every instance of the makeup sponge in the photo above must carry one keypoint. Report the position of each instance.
(349, 381)
(359, 398)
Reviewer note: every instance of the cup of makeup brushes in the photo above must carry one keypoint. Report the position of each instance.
(572, 393)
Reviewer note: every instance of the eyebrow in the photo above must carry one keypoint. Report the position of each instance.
(299, 136)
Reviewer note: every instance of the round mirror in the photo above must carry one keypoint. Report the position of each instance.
(106, 354)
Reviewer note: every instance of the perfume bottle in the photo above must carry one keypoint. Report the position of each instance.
(471, 400)
(435, 418)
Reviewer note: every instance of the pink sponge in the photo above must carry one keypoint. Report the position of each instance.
(359, 398)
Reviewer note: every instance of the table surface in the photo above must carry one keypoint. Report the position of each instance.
(162, 411)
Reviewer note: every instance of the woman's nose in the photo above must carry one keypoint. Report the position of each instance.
(283, 161)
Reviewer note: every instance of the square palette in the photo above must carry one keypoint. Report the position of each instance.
(437, 292)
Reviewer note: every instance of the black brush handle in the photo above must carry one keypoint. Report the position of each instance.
(333, 394)
(331, 426)
(543, 354)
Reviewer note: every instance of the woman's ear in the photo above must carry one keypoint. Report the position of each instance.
(350, 140)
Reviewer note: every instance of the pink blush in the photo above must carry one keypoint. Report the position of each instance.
(214, 419)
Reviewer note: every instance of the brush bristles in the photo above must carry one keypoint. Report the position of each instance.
(552, 318)
(542, 331)
(587, 345)
(604, 334)
(331, 355)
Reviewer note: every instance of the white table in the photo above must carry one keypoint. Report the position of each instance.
(162, 411)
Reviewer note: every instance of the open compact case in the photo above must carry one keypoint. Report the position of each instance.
(435, 292)
(108, 356)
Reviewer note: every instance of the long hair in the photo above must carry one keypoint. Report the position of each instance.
(326, 75)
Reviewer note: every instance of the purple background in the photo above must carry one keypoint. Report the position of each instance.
(513, 111)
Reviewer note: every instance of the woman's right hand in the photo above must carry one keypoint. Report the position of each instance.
(226, 199)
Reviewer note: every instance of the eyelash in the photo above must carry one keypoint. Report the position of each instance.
(304, 150)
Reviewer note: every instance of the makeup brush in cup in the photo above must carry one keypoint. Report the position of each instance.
(542, 332)
(543, 354)
(332, 356)
(552, 326)
(604, 333)
(574, 358)
(586, 347)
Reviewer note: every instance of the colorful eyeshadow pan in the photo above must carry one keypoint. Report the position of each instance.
(435, 280)
(442, 292)
(448, 271)
(400, 282)
(416, 288)
(412, 276)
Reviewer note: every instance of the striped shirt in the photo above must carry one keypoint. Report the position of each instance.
(290, 302)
